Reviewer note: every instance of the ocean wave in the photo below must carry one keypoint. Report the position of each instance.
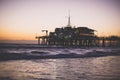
(28, 54)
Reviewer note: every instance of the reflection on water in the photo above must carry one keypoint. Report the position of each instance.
(102, 68)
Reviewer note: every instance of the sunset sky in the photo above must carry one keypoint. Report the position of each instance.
(22, 19)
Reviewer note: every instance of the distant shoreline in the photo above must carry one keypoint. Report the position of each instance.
(18, 41)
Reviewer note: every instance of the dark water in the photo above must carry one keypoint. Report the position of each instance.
(102, 68)
(87, 68)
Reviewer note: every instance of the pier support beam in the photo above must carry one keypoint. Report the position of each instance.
(103, 42)
(38, 41)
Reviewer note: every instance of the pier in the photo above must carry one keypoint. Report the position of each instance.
(76, 36)
(81, 42)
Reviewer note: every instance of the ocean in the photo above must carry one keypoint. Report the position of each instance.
(41, 62)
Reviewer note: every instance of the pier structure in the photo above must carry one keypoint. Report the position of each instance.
(43, 39)
(76, 36)
(68, 36)
(110, 41)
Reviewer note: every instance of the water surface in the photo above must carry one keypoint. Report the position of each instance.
(82, 68)
(101, 68)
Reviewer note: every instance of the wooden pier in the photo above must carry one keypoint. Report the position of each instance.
(97, 41)
(43, 40)
(76, 36)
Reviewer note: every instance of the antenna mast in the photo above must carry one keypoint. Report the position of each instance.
(69, 19)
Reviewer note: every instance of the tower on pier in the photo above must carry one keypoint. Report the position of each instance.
(69, 20)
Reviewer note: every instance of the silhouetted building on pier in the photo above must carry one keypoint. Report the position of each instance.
(72, 36)
(81, 36)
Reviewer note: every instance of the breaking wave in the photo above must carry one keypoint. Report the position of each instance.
(20, 51)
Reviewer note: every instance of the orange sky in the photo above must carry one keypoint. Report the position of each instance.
(22, 19)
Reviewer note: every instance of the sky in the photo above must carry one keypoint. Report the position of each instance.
(24, 19)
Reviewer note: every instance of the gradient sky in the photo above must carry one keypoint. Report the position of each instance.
(22, 19)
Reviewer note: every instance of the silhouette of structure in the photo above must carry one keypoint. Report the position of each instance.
(72, 36)
(81, 36)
